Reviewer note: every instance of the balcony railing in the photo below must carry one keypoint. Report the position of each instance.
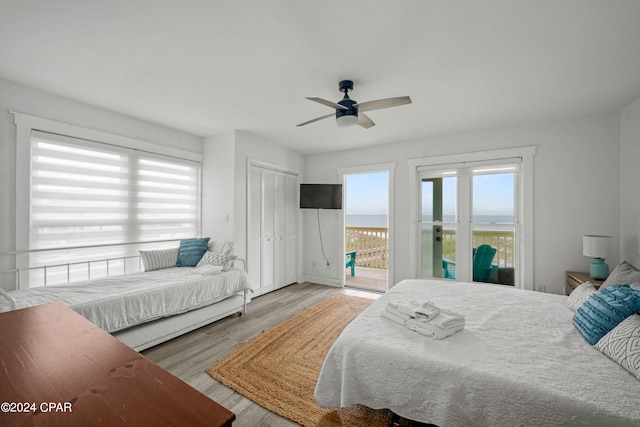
(502, 240)
(372, 244)
(373, 248)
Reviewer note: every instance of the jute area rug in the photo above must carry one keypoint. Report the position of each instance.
(279, 368)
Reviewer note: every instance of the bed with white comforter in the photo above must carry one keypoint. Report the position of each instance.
(117, 303)
(519, 361)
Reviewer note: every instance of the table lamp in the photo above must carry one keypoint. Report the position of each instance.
(597, 248)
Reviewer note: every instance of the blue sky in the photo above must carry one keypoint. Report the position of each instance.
(493, 194)
(367, 193)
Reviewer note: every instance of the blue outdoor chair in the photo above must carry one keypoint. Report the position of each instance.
(483, 266)
(351, 262)
(483, 263)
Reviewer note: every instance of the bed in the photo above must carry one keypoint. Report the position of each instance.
(518, 361)
(146, 308)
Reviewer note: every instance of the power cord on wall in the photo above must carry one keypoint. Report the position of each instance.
(320, 233)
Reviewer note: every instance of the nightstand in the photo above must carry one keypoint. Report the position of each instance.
(575, 279)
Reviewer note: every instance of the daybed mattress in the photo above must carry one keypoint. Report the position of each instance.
(119, 302)
(518, 362)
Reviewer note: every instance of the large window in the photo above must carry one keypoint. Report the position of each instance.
(90, 200)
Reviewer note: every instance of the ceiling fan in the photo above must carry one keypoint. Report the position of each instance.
(350, 113)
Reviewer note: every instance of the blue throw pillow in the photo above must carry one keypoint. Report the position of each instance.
(191, 251)
(604, 310)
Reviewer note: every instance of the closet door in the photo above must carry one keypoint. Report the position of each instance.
(272, 229)
(291, 229)
(268, 229)
(280, 241)
(254, 229)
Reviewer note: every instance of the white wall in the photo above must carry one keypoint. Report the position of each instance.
(218, 187)
(576, 190)
(630, 183)
(15, 97)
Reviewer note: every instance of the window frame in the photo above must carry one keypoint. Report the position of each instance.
(26, 123)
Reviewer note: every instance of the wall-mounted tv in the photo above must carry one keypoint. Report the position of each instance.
(320, 196)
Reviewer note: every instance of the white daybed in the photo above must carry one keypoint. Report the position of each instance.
(518, 361)
(146, 308)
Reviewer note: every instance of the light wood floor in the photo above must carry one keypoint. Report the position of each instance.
(188, 356)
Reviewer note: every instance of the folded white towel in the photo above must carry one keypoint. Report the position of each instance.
(424, 309)
(417, 309)
(403, 307)
(447, 319)
(394, 318)
(431, 330)
(390, 309)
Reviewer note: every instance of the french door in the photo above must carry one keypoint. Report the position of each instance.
(468, 222)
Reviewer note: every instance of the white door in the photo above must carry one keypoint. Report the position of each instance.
(268, 229)
(254, 228)
(280, 241)
(291, 229)
(272, 229)
(469, 222)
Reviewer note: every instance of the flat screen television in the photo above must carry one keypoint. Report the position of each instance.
(320, 196)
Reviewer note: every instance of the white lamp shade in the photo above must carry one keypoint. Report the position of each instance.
(595, 246)
(347, 120)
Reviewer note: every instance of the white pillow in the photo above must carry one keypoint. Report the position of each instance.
(579, 295)
(224, 247)
(623, 273)
(158, 259)
(214, 258)
(622, 344)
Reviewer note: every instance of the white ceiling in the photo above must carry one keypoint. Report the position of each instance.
(208, 67)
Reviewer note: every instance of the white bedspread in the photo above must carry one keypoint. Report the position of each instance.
(518, 362)
(119, 302)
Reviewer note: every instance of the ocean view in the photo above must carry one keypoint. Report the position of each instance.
(366, 220)
(381, 220)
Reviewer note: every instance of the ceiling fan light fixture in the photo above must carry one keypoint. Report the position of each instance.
(350, 113)
(347, 120)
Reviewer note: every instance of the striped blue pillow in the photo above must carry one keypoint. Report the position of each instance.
(604, 310)
(191, 251)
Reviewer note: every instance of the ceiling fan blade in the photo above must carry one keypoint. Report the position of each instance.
(317, 118)
(365, 121)
(328, 103)
(383, 103)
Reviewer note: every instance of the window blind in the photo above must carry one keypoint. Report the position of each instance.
(86, 193)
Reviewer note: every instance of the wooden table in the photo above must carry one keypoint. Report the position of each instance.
(577, 278)
(57, 368)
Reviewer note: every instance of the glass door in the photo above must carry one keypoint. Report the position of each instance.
(493, 224)
(438, 224)
(469, 223)
(367, 256)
